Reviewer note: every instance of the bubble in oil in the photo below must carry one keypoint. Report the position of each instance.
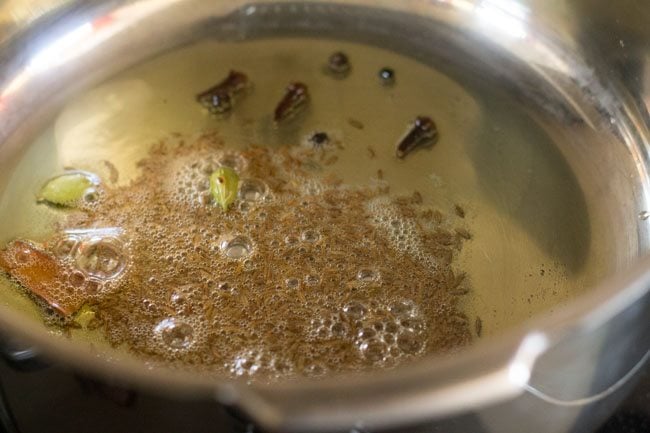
(297, 233)
(366, 275)
(179, 301)
(373, 351)
(93, 286)
(252, 190)
(237, 247)
(355, 310)
(312, 280)
(102, 258)
(391, 327)
(65, 247)
(412, 324)
(366, 334)
(404, 309)
(315, 370)
(149, 306)
(310, 236)
(339, 329)
(246, 364)
(174, 333)
(410, 342)
(91, 195)
(77, 279)
(234, 161)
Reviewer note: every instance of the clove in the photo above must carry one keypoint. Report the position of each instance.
(422, 133)
(218, 99)
(338, 65)
(295, 98)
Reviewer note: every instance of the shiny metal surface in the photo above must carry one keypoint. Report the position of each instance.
(585, 81)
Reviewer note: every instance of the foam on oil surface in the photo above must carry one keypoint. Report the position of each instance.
(303, 275)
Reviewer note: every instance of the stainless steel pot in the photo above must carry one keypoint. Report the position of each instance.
(579, 69)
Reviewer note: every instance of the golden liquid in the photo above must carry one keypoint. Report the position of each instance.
(490, 158)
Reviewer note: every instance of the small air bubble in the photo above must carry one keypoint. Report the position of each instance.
(252, 190)
(310, 236)
(374, 350)
(237, 247)
(101, 258)
(366, 333)
(93, 287)
(174, 333)
(404, 309)
(391, 327)
(66, 246)
(413, 325)
(292, 283)
(354, 310)
(77, 279)
(315, 370)
(367, 275)
(91, 195)
(339, 329)
(644, 215)
(409, 342)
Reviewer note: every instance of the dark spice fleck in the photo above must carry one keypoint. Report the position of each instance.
(478, 326)
(371, 152)
(422, 133)
(331, 160)
(319, 139)
(357, 124)
(338, 65)
(380, 174)
(459, 211)
(387, 76)
(417, 197)
(463, 233)
(295, 98)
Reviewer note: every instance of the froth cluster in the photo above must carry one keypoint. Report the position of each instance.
(300, 276)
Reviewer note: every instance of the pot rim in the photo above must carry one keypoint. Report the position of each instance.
(488, 363)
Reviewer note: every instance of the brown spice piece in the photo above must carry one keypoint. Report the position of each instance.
(422, 133)
(380, 174)
(463, 233)
(459, 211)
(338, 65)
(114, 175)
(218, 99)
(40, 273)
(259, 311)
(357, 124)
(371, 152)
(295, 98)
(417, 197)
